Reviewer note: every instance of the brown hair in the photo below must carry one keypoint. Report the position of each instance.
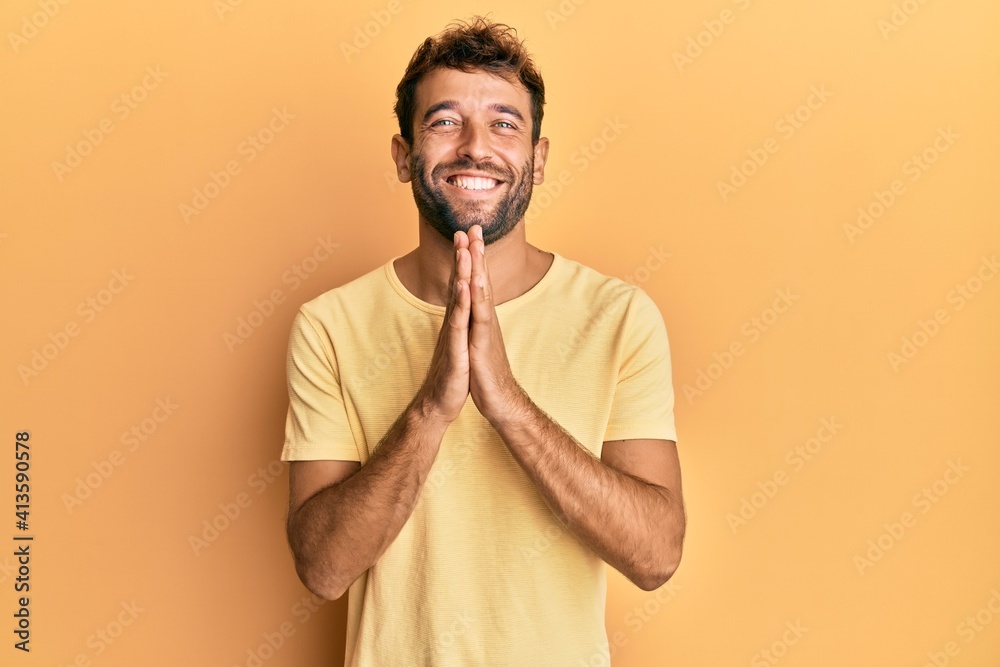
(480, 44)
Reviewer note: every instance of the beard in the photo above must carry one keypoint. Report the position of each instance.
(497, 218)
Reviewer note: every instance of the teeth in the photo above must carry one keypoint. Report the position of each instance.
(473, 182)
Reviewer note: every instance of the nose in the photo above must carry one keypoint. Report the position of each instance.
(474, 143)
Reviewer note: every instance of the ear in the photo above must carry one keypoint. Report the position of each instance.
(401, 156)
(541, 151)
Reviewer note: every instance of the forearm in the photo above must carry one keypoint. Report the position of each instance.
(343, 530)
(633, 525)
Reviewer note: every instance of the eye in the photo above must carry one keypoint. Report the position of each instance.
(443, 120)
(509, 124)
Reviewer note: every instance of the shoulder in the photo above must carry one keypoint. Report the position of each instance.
(362, 293)
(580, 279)
(599, 292)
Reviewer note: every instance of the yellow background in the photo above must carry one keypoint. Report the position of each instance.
(894, 77)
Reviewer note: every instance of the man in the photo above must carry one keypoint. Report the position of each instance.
(476, 427)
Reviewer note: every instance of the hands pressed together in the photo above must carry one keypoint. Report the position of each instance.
(470, 357)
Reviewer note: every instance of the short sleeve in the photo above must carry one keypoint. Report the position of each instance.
(317, 426)
(643, 404)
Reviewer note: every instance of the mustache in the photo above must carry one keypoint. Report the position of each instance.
(467, 165)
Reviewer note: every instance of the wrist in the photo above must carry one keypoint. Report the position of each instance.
(515, 411)
(423, 413)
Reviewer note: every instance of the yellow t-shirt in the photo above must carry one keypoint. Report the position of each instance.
(482, 573)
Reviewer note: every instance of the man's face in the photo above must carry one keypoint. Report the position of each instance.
(472, 161)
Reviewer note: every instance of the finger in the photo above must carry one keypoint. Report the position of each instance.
(482, 293)
(458, 343)
(458, 241)
(453, 276)
(486, 271)
(476, 253)
(459, 317)
(465, 263)
(461, 314)
(484, 266)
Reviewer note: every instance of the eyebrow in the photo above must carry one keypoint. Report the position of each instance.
(453, 104)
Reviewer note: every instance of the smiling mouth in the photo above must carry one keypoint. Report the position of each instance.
(473, 182)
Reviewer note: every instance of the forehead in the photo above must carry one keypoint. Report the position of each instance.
(470, 89)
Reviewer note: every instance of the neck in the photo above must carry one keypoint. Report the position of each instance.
(515, 266)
